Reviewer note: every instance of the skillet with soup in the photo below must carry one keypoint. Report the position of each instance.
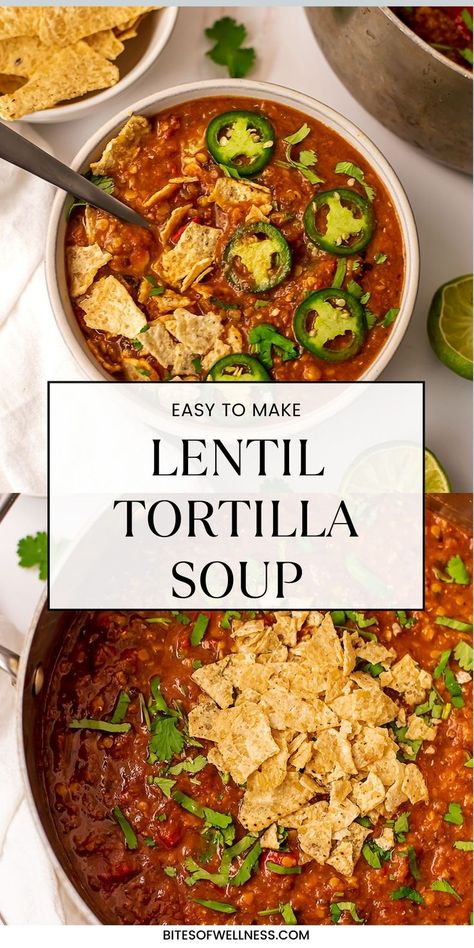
(270, 768)
(274, 250)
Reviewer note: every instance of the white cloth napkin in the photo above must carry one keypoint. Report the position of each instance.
(31, 349)
(29, 890)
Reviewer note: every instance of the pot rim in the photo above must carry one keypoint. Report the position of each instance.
(237, 87)
(60, 872)
(414, 38)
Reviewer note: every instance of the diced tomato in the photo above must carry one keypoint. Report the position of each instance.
(170, 834)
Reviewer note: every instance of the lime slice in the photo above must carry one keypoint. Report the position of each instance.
(450, 325)
(436, 479)
(386, 468)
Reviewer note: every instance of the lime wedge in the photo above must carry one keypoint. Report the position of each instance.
(450, 325)
(436, 479)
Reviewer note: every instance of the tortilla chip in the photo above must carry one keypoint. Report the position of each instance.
(414, 784)
(366, 705)
(286, 710)
(83, 263)
(174, 221)
(386, 840)
(342, 814)
(323, 649)
(22, 55)
(118, 150)
(61, 26)
(302, 756)
(248, 740)
(195, 330)
(170, 354)
(395, 795)
(332, 753)
(315, 840)
(418, 730)
(375, 653)
(269, 839)
(110, 307)
(210, 679)
(203, 720)
(340, 789)
(258, 810)
(346, 853)
(18, 21)
(368, 794)
(408, 678)
(349, 658)
(370, 746)
(138, 370)
(194, 250)
(67, 74)
(228, 192)
(273, 770)
(388, 768)
(106, 44)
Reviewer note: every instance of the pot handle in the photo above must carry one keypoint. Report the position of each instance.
(9, 662)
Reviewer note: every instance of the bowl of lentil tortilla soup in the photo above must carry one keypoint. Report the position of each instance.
(261, 768)
(281, 243)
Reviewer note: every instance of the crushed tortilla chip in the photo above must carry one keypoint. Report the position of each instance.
(194, 251)
(83, 263)
(111, 308)
(118, 149)
(106, 44)
(228, 192)
(407, 678)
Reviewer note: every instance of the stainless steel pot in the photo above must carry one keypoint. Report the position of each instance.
(30, 674)
(411, 88)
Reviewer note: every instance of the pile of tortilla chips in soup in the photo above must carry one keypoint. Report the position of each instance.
(54, 54)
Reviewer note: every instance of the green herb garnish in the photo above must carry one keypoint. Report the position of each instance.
(337, 908)
(228, 37)
(121, 708)
(92, 724)
(454, 814)
(455, 624)
(442, 885)
(406, 892)
(283, 870)
(352, 171)
(199, 629)
(307, 159)
(33, 551)
(216, 906)
(130, 836)
(265, 337)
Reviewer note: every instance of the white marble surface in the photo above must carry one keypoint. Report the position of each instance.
(288, 54)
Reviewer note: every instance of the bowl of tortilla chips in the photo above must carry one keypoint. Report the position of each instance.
(58, 62)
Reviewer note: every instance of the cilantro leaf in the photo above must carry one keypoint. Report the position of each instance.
(165, 784)
(337, 908)
(456, 569)
(298, 136)
(442, 885)
(228, 37)
(189, 766)
(306, 159)
(264, 337)
(166, 740)
(100, 181)
(390, 316)
(455, 624)
(404, 621)
(33, 551)
(463, 655)
(380, 258)
(454, 814)
(199, 629)
(406, 892)
(352, 171)
(465, 846)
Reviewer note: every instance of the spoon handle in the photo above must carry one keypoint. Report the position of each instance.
(24, 154)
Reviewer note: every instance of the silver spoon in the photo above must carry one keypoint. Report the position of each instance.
(22, 153)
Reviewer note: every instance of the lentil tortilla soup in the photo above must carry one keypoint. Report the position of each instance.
(270, 768)
(274, 250)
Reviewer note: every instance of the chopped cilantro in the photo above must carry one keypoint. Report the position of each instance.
(180, 617)
(338, 617)
(465, 846)
(469, 761)
(454, 689)
(390, 316)
(406, 892)
(456, 572)
(197, 365)
(283, 870)
(400, 826)
(227, 618)
(287, 913)
(412, 862)
(248, 866)
(121, 707)
(33, 551)
(454, 814)
(216, 906)
(93, 724)
(442, 885)
(228, 37)
(170, 871)
(264, 337)
(380, 258)
(130, 836)
(374, 854)
(337, 908)
(137, 345)
(197, 664)
(361, 621)
(165, 784)
(355, 289)
(443, 661)
(100, 181)
(306, 159)
(166, 739)
(352, 171)
(463, 655)
(199, 629)
(404, 621)
(159, 620)
(340, 273)
(149, 842)
(455, 624)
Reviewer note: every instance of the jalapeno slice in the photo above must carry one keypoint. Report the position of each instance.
(238, 367)
(323, 320)
(257, 257)
(244, 141)
(349, 221)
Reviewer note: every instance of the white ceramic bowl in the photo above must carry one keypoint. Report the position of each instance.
(139, 54)
(92, 149)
